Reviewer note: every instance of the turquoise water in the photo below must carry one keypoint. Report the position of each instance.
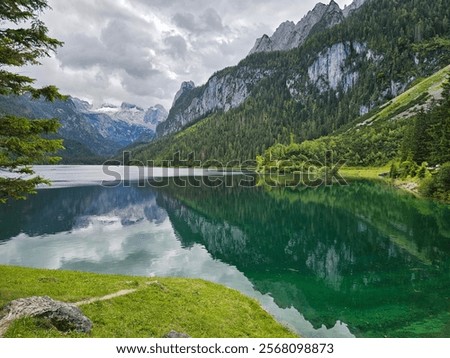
(360, 260)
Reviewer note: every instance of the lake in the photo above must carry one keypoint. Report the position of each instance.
(361, 260)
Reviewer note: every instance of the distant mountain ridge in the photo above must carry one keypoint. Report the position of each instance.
(353, 61)
(289, 35)
(90, 132)
(133, 114)
(229, 88)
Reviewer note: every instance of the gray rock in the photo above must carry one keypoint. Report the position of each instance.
(263, 44)
(63, 316)
(289, 35)
(356, 4)
(185, 87)
(175, 334)
(229, 89)
(155, 115)
(220, 93)
(329, 70)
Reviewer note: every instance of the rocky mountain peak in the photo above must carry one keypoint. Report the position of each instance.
(80, 105)
(333, 15)
(108, 105)
(185, 87)
(289, 35)
(129, 106)
(333, 4)
(133, 115)
(263, 44)
(333, 7)
(356, 4)
(155, 115)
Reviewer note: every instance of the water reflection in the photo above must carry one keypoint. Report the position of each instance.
(365, 255)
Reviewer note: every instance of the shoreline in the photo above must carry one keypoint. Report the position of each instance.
(377, 173)
(151, 307)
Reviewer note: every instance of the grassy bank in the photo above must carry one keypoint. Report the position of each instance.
(363, 172)
(370, 173)
(159, 305)
(377, 173)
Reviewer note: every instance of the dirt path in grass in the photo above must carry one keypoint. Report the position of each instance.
(117, 294)
(105, 298)
(9, 317)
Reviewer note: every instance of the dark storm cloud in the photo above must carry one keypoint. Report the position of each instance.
(141, 50)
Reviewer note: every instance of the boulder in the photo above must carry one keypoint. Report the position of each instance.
(63, 316)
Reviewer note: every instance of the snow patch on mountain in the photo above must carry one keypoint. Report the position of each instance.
(134, 115)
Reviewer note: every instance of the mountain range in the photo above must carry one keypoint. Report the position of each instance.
(90, 134)
(290, 35)
(229, 88)
(307, 80)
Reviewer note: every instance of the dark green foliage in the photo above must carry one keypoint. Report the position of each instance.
(271, 115)
(438, 186)
(422, 172)
(373, 145)
(239, 134)
(428, 139)
(21, 45)
(21, 140)
(408, 168)
(76, 153)
(21, 145)
(412, 144)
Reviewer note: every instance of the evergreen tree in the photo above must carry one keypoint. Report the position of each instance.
(23, 41)
(311, 109)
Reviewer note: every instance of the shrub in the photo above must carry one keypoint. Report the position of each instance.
(438, 186)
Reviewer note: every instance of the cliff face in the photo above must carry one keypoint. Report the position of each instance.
(229, 89)
(220, 93)
(337, 75)
(331, 69)
(352, 7)
(102, 131)
(289, 35)
(328, 71)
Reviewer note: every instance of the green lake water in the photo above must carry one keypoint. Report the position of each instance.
(361, 260)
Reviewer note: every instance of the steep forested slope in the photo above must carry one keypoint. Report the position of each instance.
(338, 75)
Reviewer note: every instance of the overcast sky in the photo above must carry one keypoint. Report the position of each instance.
(140, 51)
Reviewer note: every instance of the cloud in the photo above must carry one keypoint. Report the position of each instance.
(207, 22)
(140, 51)
(212, 20)
(176, 46)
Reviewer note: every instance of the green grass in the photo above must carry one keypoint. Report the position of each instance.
(364, 172)
(374, 173)
(430, 84)
(195, 307)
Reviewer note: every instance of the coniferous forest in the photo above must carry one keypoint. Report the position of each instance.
(409, 41)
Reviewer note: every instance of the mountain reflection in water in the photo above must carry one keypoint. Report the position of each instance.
(362, 260)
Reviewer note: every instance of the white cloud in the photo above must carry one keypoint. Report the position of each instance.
(140, 51)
